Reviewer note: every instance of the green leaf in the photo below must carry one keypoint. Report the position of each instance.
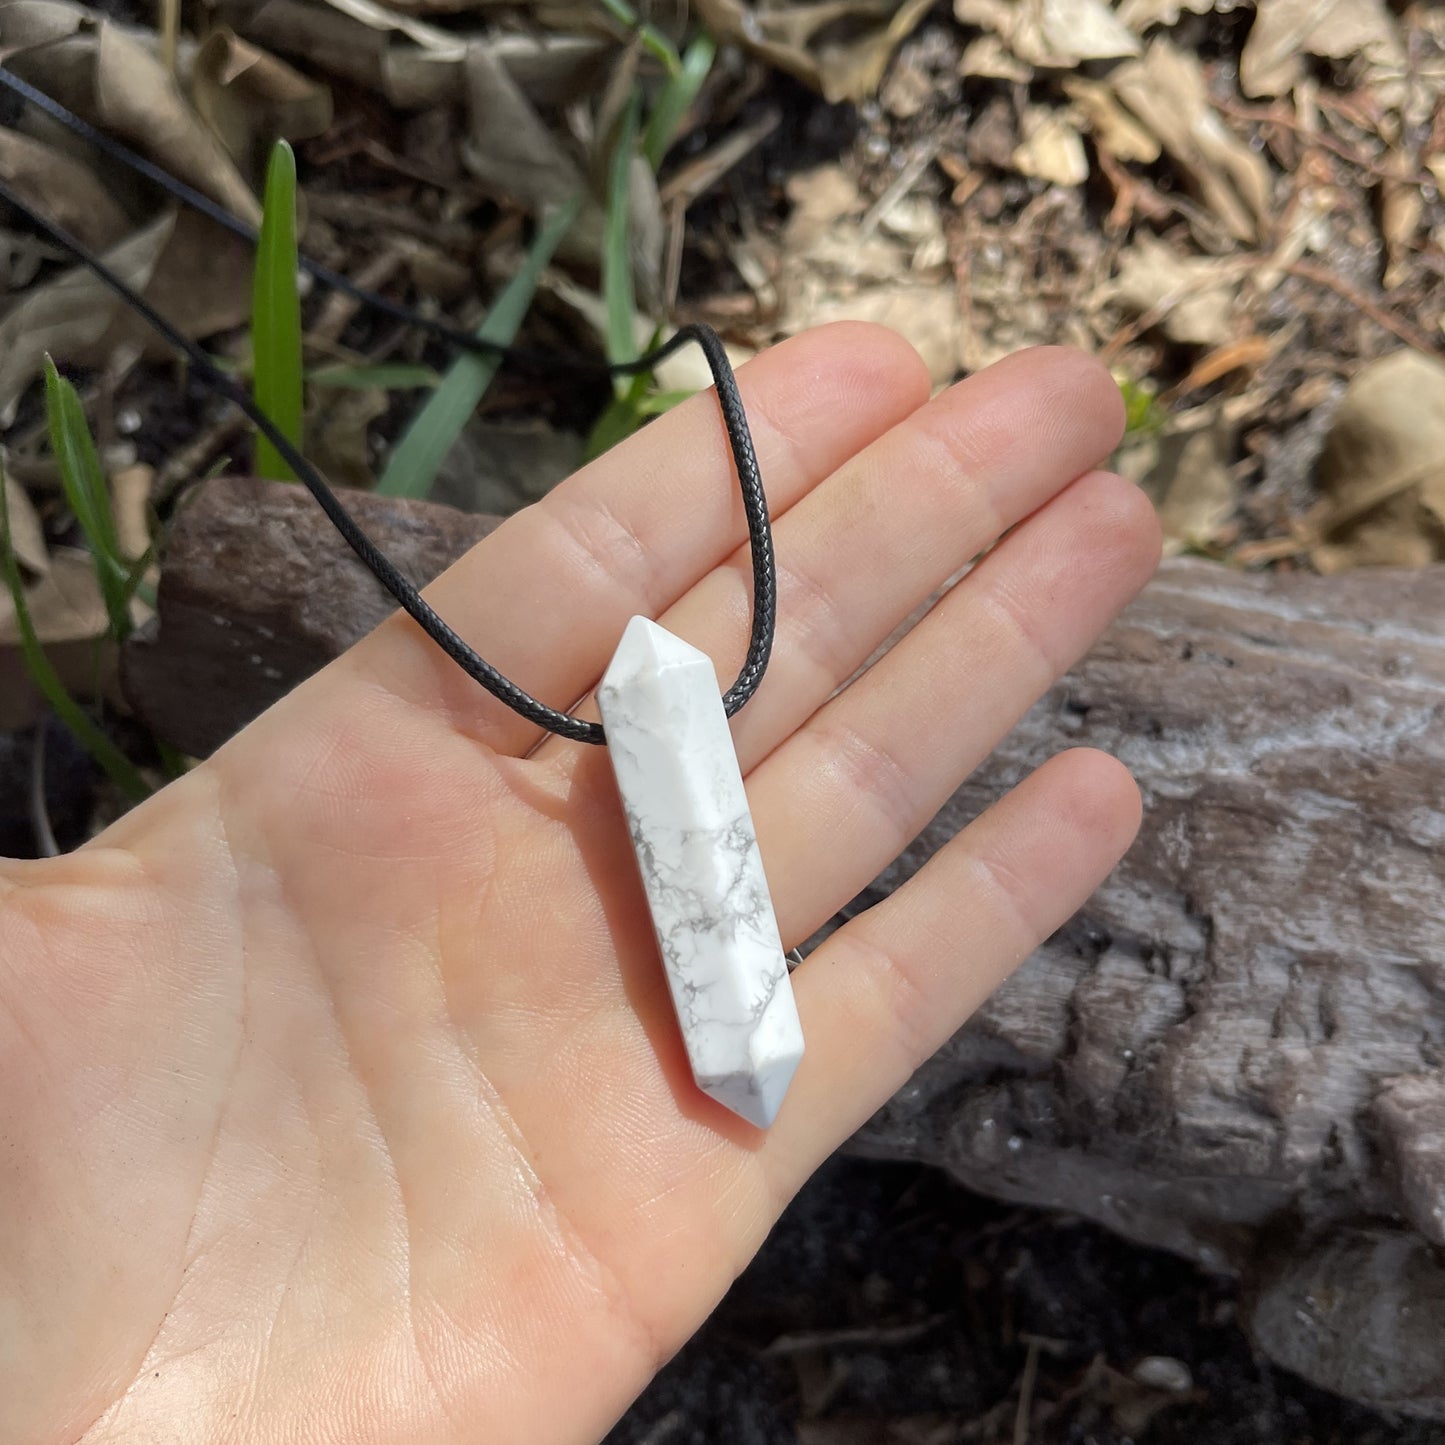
(616, 251)
(122, 772)
(677, 95)
(658, 402)
(392, 376)
(88, 495)
(276, 315)
(423, 448)
(653, 40)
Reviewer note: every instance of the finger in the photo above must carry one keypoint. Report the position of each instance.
(545, 598)
(866, 774)
(884, 532)
(886, 991)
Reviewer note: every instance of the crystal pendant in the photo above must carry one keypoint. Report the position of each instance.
(682, 791)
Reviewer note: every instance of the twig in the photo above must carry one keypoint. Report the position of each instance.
(170, 32)
(1318, 276)
(340, 308)
(45, 843)
(875, 1335)
(188, 461)
(698, 176)
(1024, 1415)
(665, 1428)
(368, 214)
(1264, 116)
(907, 177)
(1132, 330)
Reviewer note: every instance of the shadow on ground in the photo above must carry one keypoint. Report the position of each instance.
(890, 1307)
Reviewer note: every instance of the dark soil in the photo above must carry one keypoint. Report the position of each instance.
(921, 1300)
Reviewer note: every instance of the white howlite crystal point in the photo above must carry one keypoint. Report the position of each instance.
(682, 789)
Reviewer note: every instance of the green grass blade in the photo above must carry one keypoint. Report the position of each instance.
(616, 251)
(653, 40)
(658, 403)
(87, 495)
(677, 95)
(121, 771)
(276, 315)
(423, 448)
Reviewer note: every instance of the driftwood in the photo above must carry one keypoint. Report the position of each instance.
(1237, 1050)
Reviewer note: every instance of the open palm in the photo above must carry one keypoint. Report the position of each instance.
(340, 1093)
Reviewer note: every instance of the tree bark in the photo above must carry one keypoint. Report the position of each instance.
(1236, 1051)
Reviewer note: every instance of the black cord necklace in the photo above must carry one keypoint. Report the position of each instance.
(760, 541)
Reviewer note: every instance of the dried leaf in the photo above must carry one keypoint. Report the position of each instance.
(1383, 467)
(990, 59)
(337, 42)
(1402, 208)
(1247, 354)
(1185, 471)
(130, 500)
(63, 189)
(27, 536)
(1112, 125)
(139, 101)
(1194, 296)
(338, 436)
(250, 98)
(1052, 149)
(832, 270)
(1286, 30)
(65, 605)
(111, 79)
(201, 284)
(1055, 34)
(500, 467)
(69, 616)
(1196, 493)
(381, 18)
(1166, 90)
(853, 69)
(509, 148)
(547, 69)
(839, 47)
(25, 23)
(1141, 15)
(412, 64)
(70, 316)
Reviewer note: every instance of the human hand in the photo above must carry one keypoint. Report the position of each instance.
(342, 1094)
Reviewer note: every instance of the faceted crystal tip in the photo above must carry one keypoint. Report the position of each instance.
(756, 1096)
(646, 649)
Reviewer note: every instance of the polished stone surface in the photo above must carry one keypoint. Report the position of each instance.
(682, 790)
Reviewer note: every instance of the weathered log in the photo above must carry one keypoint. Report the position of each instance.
(258, 591)
(1235, 1051)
